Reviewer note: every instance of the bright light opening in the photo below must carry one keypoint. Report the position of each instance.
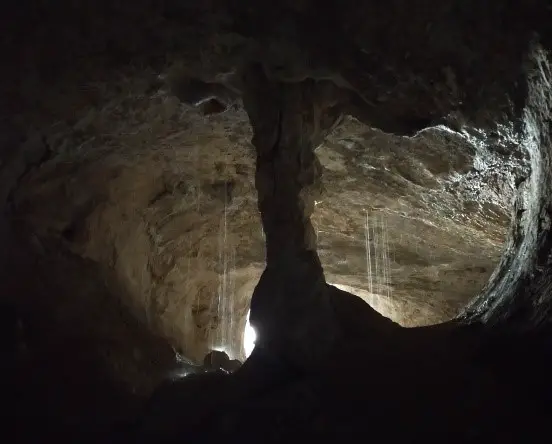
(249, 337)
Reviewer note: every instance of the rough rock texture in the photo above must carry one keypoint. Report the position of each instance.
(438, 201)
(144, 197)
(154, 219)
(152, 203)
(519, 292)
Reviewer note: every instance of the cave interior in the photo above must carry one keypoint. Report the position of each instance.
(276, 222)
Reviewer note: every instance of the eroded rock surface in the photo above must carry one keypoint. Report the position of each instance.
(149, 207)
(155, 199)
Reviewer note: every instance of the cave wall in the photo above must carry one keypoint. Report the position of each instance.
(160, 223)
(518, 293)
(373, 86)
(61, 323)
(395, 66)
(387, 82)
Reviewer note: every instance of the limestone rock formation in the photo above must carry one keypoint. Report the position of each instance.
(159, 158)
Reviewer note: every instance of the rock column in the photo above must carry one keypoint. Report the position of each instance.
(290, 308)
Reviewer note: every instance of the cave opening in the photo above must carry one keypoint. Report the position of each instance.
(249, 337)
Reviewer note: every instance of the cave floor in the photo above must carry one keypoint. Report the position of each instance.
(436, 384)
(393, 398)
(433, 384)
(444, 383)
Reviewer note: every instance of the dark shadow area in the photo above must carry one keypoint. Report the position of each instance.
(74, 360)
(446, 383)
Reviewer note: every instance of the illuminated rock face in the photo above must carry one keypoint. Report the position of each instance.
(153, 217)
(157, 222)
